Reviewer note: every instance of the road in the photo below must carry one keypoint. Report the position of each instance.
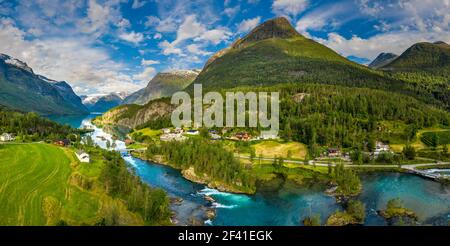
(410, 167)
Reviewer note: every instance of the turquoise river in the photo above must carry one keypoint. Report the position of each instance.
(290, 204)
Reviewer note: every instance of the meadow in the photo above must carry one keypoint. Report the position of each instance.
(42, 184)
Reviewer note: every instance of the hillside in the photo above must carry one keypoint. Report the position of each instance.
(103, 103)
(431, 57)
(162, 85)
(46, 185)
(275, 53)
(23, 90)
(134, 116)
(382, 60)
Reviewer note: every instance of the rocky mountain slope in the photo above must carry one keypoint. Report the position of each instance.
(133, 115)
(21, 89)
(163, 85)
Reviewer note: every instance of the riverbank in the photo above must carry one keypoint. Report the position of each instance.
(190, 175)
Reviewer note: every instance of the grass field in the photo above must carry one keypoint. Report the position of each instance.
(41, 184)
(149, 132)
(272, 149)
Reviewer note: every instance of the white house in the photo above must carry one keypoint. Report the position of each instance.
(166, 130)
(82, 156)
(193, 132)
(6, 137)
(380, 148)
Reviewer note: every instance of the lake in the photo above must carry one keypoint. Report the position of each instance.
(289, 205)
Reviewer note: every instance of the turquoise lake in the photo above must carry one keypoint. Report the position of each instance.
(289, 205)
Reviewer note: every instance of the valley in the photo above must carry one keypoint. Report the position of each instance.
(357, 145)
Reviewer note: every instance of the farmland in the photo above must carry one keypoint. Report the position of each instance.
(40, 185)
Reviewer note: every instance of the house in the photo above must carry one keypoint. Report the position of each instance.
(380, 148)
(243, 136)
(6, 137)
(62, 143)
(172, 137)
(334, 152)
(178, 130)
(215, 136)
(192, 132)
(129, 141)
(165, 130)
(82, 156)
(266, 135)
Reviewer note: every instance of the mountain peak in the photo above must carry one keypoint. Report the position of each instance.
(383, 59)
(278, 27)
(15, 62)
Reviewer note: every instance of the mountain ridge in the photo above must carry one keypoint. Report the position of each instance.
(21, 89)
(162, 85)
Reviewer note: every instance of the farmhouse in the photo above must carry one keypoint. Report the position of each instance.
(192, 132)
(334, 152)
(6, 137)
(62, 143)
(172, 137)
(82, 156)
(243, 136)
(380, 148)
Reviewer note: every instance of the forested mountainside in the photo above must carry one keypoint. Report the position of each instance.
(163, 85)
(23, 90)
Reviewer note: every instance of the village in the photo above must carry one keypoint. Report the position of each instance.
(266, 144)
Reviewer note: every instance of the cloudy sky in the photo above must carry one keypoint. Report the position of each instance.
(102, 46)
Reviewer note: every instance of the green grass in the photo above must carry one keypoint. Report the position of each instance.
(443, 137)
(42, 184)
(273, 149)
(30, 174)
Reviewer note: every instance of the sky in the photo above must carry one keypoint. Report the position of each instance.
(103, 46)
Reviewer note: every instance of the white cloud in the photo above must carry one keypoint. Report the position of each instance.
(248, 25)
(196, 50)
(190, 28)
(289, 7)
(75, 60)
(149, 62)
(231, 12)
(169, 49)
(157, 36)
(138, 4)
(327, 16)
(132, 37)
(394, 42)
(145, 75)
(215, 36)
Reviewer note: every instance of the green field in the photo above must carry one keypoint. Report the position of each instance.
(436, 138)
(41, 184)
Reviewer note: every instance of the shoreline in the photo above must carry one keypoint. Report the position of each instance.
(189, 174)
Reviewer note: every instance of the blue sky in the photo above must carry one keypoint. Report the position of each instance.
(102, 46)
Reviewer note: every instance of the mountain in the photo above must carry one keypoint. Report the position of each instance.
(382, 60)
(274, 53)
(430, 57)
(21, 89)
(163, 85)
(102, 103)
(134, 116)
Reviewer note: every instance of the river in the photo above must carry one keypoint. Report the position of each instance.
(289, 205)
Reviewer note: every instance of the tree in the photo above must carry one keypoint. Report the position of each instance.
(312, 221)
(409, 152)
(357, 209)
(108, 144)
(445, 150)
(252, 154)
